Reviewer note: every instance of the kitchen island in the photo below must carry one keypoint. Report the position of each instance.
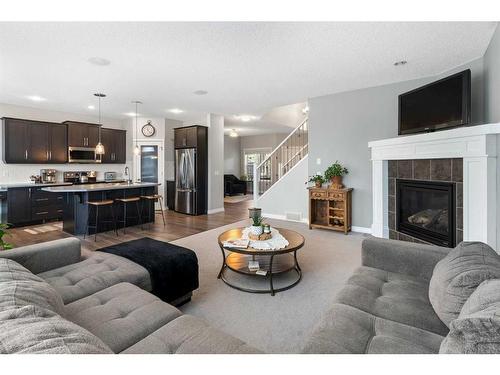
(76, 209)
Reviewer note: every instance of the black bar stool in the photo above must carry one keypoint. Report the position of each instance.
(125, 202)
(96, 205)
(154, 198)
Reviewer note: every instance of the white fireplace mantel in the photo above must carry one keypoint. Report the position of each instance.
(477, 145)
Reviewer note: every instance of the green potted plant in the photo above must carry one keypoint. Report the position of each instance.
(334, 174)
(317, 179)
(3, 231)
(257, 221)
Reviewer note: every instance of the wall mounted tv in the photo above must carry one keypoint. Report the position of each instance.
(439, 105)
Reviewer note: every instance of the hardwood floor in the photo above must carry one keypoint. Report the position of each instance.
(177, 226)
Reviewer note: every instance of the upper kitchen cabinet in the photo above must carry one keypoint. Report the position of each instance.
(186, 137)
(33, 142)
(114, 142)
(81, 134)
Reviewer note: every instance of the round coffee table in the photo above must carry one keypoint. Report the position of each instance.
(273, 262)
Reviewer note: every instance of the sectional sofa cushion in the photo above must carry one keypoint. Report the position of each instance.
(101, 270)
(347, 330)
(19, 287)
(32, 329)
(121, 315)
(190, 335)
(457, 275)
(392, 296)
(477, 328)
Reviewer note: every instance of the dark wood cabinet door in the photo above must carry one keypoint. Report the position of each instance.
(191, 137)
(180, 138)
(120, 156)
(19, 205)
(92, 135)
(107, 139)
(58, 143)
(38, 150)
(77, 134)
(15, 140)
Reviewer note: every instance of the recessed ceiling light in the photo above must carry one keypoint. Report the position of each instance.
(200, 92)
(131, 114)
(399, 63)
(233, 133)
(101, 61)
(246, 118)
(91, 106)
(36, 98)
(176, 110)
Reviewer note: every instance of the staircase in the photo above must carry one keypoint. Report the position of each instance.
(280, 161)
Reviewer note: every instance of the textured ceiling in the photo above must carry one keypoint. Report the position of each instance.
(245, 67)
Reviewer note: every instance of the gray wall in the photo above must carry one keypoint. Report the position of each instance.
(215, 124)
(492, 79)
(341, 125)
(232, 155)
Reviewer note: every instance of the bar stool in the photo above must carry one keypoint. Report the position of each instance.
(155, 198)
(96, 205)
(125, 201)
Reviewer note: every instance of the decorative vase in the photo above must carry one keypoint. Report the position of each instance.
(256, 230)
(318, 184)
(336, 182)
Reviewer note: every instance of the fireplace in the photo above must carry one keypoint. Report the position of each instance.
(426, 210)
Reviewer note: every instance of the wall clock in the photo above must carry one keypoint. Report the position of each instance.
(148, 130)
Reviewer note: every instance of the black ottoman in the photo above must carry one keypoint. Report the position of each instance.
(173, 269)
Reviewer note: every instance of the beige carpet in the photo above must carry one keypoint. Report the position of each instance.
(278, 324)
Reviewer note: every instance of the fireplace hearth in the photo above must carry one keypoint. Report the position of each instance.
(426, 210)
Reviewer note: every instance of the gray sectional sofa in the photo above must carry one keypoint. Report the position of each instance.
(413, 298)
(53, 301)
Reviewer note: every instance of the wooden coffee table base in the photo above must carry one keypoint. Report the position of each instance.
(272, 264)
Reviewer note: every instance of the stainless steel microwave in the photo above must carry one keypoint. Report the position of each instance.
(82, 155)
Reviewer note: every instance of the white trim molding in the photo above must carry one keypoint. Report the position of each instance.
(361, 229)
(476, 145)
(215, 210)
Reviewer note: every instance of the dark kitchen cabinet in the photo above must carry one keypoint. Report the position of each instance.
(26, 205)
(15, 140)
(186, 137)
(81, 134)
(58, 143)
(32, 142)
(115, 146)
(19, 206)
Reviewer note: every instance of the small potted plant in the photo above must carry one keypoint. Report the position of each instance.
(317, 179)
(3, 231)
(256, 229)
(334, 174)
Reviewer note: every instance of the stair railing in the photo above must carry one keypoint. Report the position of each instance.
(281, 160)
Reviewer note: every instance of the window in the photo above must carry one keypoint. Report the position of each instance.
(253, 157)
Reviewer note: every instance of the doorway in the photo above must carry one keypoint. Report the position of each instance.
(149, 164)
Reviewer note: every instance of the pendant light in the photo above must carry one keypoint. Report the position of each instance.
(137, 150)
(99, 149)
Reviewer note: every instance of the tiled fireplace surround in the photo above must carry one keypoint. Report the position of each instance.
(477, 146)
(443, 170)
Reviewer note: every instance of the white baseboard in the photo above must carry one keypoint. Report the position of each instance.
(215, 210)
(283, 217)
(361, 229)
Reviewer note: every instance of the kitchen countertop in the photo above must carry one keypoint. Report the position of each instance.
(30, 184)
(98, 187)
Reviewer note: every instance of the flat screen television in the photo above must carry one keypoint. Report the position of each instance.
(436, 106)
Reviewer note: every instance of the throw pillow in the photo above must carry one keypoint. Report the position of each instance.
(19, 287)
(458, 274)
(477, 329)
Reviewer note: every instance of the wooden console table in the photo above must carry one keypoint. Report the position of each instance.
(330, 209)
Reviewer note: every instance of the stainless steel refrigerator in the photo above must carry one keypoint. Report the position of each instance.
(185, 181)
